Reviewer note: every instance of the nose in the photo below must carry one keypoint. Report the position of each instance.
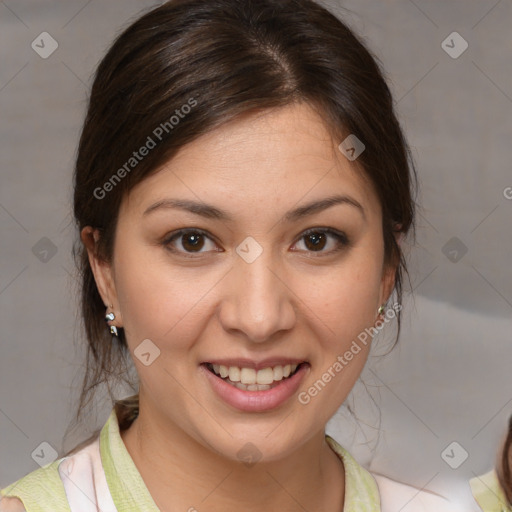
(258, 301)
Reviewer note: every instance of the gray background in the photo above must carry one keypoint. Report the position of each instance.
(449, 377)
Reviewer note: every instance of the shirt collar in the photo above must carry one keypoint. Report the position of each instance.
(130, 493)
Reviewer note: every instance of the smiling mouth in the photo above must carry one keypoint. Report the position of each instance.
(249, 379)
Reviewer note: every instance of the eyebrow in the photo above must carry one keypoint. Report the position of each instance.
(212, 212)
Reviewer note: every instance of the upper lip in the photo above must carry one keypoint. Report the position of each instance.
(257, 365)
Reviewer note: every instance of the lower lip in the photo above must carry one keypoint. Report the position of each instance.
(256, 401)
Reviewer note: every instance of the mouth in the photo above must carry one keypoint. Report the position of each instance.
(251, 379)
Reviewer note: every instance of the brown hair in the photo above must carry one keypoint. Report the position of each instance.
(504, 466)
(227, 58)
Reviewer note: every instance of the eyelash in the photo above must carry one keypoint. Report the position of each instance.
(338, 235)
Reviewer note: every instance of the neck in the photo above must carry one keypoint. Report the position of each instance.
(181, 474)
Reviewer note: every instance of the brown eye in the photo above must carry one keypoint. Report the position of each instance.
(316, 240)
(189, 241)
(192, 241)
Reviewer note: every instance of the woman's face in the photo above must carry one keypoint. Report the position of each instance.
(245, 288)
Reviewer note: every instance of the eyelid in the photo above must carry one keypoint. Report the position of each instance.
(326, 230)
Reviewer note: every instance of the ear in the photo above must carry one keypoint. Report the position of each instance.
(387, 282)
(389, 273)
(102, 271)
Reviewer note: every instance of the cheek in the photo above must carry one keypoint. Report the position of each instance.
(345, 309)
(160, 301)
(347, 299)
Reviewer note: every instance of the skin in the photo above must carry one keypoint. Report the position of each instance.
(293, 300)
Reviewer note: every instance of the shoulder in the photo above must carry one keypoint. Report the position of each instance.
(399, 496)
(393, 495)
(42, 486)
(488, 493)
(74, 482)
(11, 505)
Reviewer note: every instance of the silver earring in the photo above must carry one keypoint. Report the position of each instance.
(381, 309)
(109, 317)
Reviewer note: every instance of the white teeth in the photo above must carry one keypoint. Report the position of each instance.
(252, 380)
(252, 387)
(278, 372)
(234, 373)
(248, 376)
(265, 376)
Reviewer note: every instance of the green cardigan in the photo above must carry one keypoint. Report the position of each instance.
(43, 490)
(488, 493)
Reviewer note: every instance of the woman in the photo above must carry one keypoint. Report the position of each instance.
(242, 185)
(493, 490)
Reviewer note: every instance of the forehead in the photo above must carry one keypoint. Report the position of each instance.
(262, 159)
